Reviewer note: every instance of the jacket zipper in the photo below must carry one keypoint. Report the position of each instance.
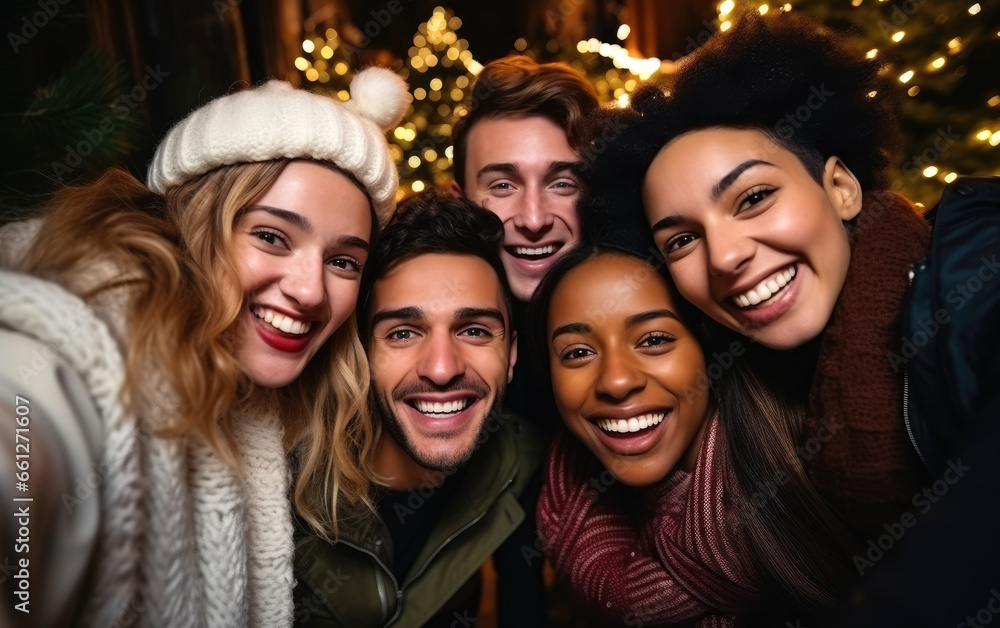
(381, 591)
(906, 395)
(430, 559)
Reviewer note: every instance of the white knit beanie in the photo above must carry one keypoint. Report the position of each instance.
(276, 121)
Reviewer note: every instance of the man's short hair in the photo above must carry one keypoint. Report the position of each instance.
(517, 86)
(428, 223)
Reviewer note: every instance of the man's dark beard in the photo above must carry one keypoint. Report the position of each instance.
(446, 465)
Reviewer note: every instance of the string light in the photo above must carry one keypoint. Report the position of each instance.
(623, 32)
(906, 76)
(975, 9)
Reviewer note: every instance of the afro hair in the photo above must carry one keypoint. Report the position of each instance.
(785, 74)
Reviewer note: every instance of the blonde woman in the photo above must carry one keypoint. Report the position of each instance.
(181, 357)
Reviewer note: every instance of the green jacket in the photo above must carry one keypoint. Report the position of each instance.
(345, 584)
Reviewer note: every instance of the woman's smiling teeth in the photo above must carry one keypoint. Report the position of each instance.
(634, 424)
(281, 322)
(446, 409)
(766, 289)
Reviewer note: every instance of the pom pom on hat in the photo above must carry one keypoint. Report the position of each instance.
(276, 121)
(380, 95)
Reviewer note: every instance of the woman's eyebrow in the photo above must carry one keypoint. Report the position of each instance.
(294, 218)
(642, 317)
(734, 174)
(571, 328)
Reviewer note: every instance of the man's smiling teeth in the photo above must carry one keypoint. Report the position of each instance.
(631, 425)
(281, 322)
(765, 289)
(433, 407)
(543, 250)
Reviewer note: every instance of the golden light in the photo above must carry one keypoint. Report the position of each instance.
(430, 154)
(436, 83)
(913, 91)
(763, 9)
(417, 62)
(308, 45)
(455, 23)
(520, 44)
(419, 41)
(975, 9)
(312, 74)
(995, 139)
(898, 36)
(856, 3)
(906, 76)
(951, 176)
(726, 7)
(399, 132)
(420, 93)
(623, 32)
(331, 33)
(326, 52)
(871, 54)
(872, 94)
(452, 54)
(462, 82)
(340, 68)
(582, 47)
(418, 186)
(938, 63)
(955, 45)
(413, 161)
(930, 171)
(993, 102)
(623, 100)
(344, 95)
(786, 7)
(983, 135)
(449, 152)
(457, 94)
(431, 61)
(725, 26)
(400, 194)
(324, 77)
(301, 64)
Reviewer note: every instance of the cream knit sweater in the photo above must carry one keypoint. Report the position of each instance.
(184, 540)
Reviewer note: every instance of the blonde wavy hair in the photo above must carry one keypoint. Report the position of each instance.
(175, 254)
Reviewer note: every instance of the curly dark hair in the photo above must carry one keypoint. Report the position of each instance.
(785, 74)
(433, 222)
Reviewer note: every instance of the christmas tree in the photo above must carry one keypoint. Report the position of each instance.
(440, 69)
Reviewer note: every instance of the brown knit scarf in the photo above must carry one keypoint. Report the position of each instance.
(867, 467)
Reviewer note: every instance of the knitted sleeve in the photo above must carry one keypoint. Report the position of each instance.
(624, 568)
